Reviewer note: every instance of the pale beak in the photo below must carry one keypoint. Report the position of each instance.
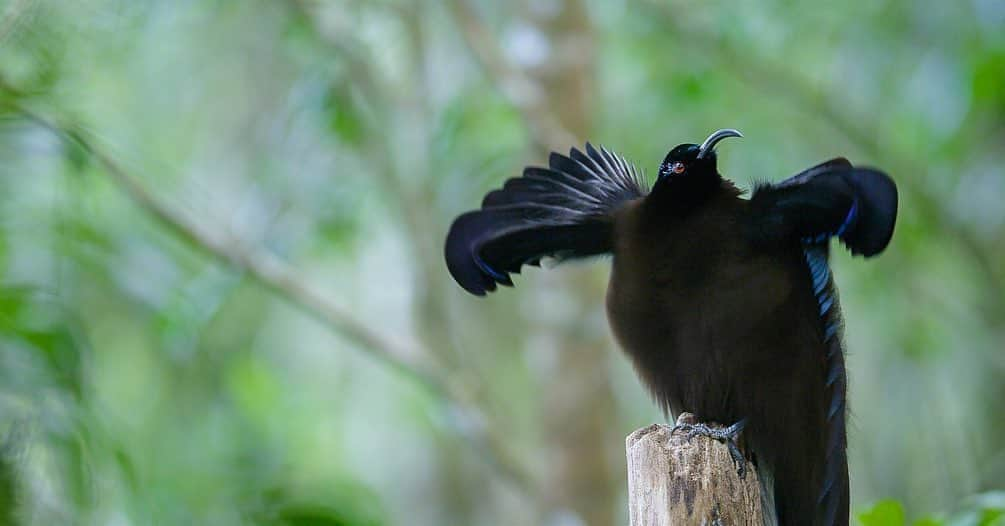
(713, 139)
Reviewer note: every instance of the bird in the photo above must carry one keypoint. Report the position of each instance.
(725, 304)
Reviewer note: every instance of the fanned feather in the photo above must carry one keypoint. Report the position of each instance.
(563, 211)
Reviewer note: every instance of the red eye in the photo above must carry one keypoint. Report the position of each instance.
(678, 167)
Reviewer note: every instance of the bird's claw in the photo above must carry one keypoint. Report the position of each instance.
(728, 436)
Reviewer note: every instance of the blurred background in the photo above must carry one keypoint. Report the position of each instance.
(222, 294)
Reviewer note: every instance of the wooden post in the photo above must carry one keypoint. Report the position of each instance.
(673, 481)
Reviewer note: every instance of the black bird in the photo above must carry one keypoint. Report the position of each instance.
(725, 305)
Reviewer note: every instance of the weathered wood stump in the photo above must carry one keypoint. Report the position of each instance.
(674, 481)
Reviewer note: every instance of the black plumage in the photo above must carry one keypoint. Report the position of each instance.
(725, 305)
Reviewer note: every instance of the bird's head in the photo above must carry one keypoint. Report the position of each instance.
(693, 161)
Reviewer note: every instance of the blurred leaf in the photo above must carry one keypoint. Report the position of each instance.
(988, 79)
(342, 504)
(338, 230)
(476, 121)
(42, 324)
(985, 509)
(993, 518)
(344, 118)
(884, 513)
(992, 508)
(311, 516)
(253, 385)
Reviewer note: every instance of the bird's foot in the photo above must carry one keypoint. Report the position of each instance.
(728, 435)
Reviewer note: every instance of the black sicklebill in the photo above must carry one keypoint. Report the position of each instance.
(725, 305)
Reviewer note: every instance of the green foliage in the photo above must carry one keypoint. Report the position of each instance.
(344, 118)
(883, 513)
(988, 77)
(36, 324)
(348, 504)
(987, 509)
(43, 379)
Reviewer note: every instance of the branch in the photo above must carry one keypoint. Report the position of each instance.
(287, 283)
(263, 266)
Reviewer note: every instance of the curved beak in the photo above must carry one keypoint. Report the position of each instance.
(713, 139)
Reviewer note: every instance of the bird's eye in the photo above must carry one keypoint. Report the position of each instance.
(678, 167)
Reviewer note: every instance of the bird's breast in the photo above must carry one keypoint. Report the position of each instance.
(686, 298)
